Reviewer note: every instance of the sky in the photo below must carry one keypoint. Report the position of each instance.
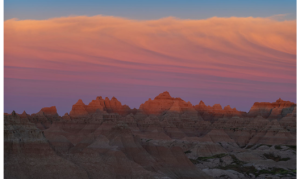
(228, 52)
(148, 10)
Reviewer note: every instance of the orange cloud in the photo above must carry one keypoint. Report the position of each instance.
(215, 50)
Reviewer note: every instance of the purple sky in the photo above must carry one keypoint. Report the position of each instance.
(230, 59)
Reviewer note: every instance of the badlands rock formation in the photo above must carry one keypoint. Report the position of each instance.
(277, 109)
(112, 106)
(49, 110)
(166, 137)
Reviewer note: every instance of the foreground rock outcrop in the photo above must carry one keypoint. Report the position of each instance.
(165, 138)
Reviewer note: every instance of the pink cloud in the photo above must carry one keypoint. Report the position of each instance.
(238, 54)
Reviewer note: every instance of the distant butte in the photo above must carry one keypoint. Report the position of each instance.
(164, 102)
(49, 110)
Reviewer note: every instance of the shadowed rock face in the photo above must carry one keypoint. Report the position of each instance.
(28, 153)
(165, 138)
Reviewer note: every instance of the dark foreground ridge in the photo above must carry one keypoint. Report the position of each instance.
(165, 138)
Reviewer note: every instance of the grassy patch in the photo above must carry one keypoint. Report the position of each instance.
(275, 171)
(278, 147)
(194, 161)
(204, 159)
(236, 160)
(293, 147)
(187, 152)
(249, 146)
(247, 170)
(275, 158)
(240, 168)
(211, 157)
(238, 165)
(148, 140)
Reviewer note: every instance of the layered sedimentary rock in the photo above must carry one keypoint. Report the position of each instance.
(29, 155)
(277, 109)
(163, 103)
(49, 110)
(165, 138)
(79, 109)
(214, 112)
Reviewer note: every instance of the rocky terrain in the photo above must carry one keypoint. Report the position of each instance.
(165, 138)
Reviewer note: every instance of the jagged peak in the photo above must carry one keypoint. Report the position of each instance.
(79, 102)
(227, 107)
(99, 98)
(277, 101)
(283, 101)
(217, 106)
(40, 113)
(164, 95)
(201, 103)
(13, 113)
(49, 110)
(23, 115)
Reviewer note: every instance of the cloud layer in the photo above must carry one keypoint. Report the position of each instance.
(73, 57)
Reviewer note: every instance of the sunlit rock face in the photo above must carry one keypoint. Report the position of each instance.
(49, 110)
(163, 103)
(165, 138)
(212, 113)
(277, 109)
(79, 109)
